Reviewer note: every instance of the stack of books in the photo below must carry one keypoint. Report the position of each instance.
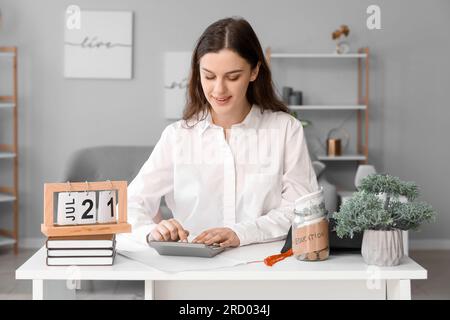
(96, 250)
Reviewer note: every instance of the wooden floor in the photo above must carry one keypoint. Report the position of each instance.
(437, 262)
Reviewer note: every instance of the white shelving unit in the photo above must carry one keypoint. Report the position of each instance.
(9, 153)
(361, 107)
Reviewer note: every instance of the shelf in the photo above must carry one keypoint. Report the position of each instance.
(6, 105)
(7, 155)
(5, 197)
(5, 241)
(7, 54)
(348, 157)
(8, 100)
(317, 55)
(311, 107)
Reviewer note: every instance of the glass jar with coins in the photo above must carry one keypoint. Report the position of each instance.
(310, 240)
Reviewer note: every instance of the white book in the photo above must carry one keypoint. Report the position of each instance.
(80, 252)
(106, 241)
(80, 261)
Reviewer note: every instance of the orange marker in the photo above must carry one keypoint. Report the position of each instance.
(271, 260)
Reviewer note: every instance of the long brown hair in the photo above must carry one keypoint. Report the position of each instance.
(235, 34)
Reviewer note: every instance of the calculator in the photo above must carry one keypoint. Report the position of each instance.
(187, 249)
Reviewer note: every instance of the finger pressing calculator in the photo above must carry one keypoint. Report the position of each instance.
(187, 249)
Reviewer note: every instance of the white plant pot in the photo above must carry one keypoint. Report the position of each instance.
(382, 248)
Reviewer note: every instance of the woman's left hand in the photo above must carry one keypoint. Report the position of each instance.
(225, 237)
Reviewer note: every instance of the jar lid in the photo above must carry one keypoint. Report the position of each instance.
(313, 212)
(309, 200)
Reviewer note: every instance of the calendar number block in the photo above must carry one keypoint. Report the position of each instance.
(107, 207)
(67, 202)
(87, 207)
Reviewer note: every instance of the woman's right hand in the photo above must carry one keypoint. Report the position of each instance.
(169, 230)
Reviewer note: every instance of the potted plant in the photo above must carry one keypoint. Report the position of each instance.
(382, 208)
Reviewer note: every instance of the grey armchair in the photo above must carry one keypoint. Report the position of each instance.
(329, 189)
(107, 162)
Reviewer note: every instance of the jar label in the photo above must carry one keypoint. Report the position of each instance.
(310, 238)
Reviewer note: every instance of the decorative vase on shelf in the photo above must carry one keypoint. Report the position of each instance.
(382, 248)
(287, 91)
(296, 98)
(342, 47)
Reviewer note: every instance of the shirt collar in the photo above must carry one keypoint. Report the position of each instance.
(249, 121)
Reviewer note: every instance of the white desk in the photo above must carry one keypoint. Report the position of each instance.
(342, 276)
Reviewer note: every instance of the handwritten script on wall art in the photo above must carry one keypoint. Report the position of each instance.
(101, 47)
(176, 75)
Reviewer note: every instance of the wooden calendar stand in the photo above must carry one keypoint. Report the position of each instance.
(50, 229)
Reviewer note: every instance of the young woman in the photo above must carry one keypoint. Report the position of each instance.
(232, 168)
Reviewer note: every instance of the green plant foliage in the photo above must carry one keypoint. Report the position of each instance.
(411, 214)
(305, 123)
(393, 186)
(377, 206)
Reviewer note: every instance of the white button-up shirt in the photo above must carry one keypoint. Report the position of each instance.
(248, 183)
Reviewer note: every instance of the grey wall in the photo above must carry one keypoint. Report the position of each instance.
(409, 72)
